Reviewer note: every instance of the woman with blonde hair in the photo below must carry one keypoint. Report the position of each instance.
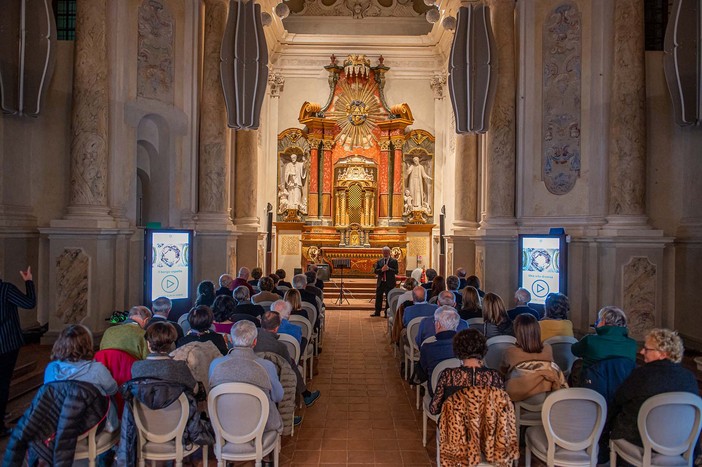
(497, 322)
(293, 297)
(472, 305)
(662, 372)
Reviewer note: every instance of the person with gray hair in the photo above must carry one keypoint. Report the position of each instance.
(225, 282)
(427, 328)
(385, 269)
(300, 283)
(446, 321)
(242, 365)
(244, 305)
(161, 307)
(420, 307)
(242, 279)
(453, 285)
(129, 336)
(611, 339)
(283, 308)
(522, 297)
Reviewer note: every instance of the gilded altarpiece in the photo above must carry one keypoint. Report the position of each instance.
(356, 176)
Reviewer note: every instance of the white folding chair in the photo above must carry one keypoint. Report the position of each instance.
(496, 347)
(266, 304)
(450, 363)
(424, 384)
(411, 350)
(312, 317)
(476, 323)
(308, 355)
(669, 425)
(160, 432)
(91, 444)
(572, 423)
(562, 352)
(239, 412)
(292, 344)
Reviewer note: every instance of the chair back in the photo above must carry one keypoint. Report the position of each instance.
(266, 304)
(428, 340)
(562, 353)
(393, 303)
(476, 323)
(320, 302)
(573, 419)
(162, 425)
(449, 363)
(282, 288)
(669, 424)
(496, 349)
(304, 323)
(311, 312)
(412, 331)
(249, 403)
(292, 344)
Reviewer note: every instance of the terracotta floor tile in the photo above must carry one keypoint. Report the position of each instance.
(361, 457)
(333, 457)
(388, 457)
(306, 457)
(312, 444)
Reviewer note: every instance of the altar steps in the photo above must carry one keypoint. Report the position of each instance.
(359, 292)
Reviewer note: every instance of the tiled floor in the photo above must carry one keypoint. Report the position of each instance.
(366, 414)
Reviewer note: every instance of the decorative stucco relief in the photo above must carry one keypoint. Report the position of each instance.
(639, 296)
(72, 285)
(213, 116)
(627, 138)
(562, 48)
(155, 51)
(90, 106)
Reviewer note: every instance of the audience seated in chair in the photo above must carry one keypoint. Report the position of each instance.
(205, 293)
(256, 274)
(223, 310)
(446, 321)
(662, 372)
(496, 322)
(225, 282)
(266, 294)
(243, 279)
(427, 327)
(129, 336)
(555, 321)
(300, 284)
(522, 297)
(242, 365)
(420, 307)
(528, 365)
(311, 281)
(469, 398)
(610, 341)
(161, 337)
(200, 319)
(161, 308)
(453, 285)
(244, 306)
(429, 274)
(281, 275)
(438, 285)
(472, 304)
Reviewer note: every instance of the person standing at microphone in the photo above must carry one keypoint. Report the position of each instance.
(11, 334)
(385, 268)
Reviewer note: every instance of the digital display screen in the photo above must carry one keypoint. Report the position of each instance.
(542, 265)
(170, 264)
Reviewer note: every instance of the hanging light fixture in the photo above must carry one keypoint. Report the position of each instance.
(433, 15)
(282, 10)
(27, 55)
(244, 66)
(472, 78)
(449, 23)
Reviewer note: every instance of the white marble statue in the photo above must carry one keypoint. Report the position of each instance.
(418, 184)
(294, 179)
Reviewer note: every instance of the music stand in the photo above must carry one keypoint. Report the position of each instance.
(341, 264)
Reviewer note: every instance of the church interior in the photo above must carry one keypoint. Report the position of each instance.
(130, 130)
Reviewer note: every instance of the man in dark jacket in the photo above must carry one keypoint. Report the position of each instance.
(385, 268)
(244, 305)
(11, 334)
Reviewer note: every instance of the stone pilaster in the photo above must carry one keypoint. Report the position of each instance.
(89, 143)
(246, 217)
(214, 161)
(466, 175)
(627, 136)
(501, 141)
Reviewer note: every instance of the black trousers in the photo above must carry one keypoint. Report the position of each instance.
(382, 289)
(7, 366)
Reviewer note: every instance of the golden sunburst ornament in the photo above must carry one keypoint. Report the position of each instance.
(357, 112)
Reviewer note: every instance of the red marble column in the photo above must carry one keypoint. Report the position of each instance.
(397, 198)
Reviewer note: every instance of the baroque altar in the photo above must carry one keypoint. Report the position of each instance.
(356, 176)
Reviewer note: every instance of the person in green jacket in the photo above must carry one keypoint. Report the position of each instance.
(611, 339)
